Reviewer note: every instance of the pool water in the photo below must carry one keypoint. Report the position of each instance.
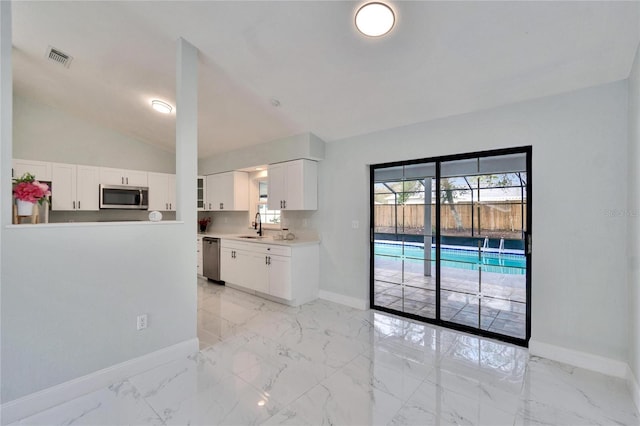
(461, 258)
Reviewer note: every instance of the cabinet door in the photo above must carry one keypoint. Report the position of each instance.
(199, 255)
(171, 192)
(229, 266)
(224, 192)
(202, 192)
(211, 195)
(158, 197)
(301, 182)
(109, 176)
(40, 169)
(280, 277)
(240, 192)
(87, 188)
(294, 183)
(256, 272)
(63, 186)
(136, 178)
(276, 186)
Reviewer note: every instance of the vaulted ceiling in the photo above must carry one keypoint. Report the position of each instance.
(441, 59)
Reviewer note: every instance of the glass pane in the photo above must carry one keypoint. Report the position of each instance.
(404, 268)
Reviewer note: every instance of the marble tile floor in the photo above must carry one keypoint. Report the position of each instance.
(327, 364)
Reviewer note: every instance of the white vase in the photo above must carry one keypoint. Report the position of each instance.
(25, 208)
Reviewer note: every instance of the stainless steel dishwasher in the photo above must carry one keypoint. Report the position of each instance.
(211, 258)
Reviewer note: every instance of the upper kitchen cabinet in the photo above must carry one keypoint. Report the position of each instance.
(162, 191)
(109, 176)
(201, 189)
(227, 191)
(74, 187)
(293, 185)
(40, 169)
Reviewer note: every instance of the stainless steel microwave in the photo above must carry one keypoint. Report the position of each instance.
(124, 197)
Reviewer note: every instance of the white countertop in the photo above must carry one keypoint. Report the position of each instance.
(263, 240)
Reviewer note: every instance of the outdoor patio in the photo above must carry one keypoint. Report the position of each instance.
(501, 298)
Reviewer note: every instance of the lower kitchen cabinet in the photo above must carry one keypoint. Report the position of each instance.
(288, 274)
(199, 254)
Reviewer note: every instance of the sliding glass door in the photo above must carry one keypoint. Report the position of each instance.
(404, 263)
(449, 239)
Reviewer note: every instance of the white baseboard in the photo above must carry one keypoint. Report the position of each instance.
(634, 387)
(599, 364)
(344, 300)
(55, 395)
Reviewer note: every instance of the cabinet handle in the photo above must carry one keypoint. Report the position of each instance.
(269, 260)
(122, 180)
(78, 205)
(221, 206)
(209, 206)
(166, 206)
(285, 204)
(266, 260)
(170, 206)
(280, 203)
(74, 205)
(127, 181)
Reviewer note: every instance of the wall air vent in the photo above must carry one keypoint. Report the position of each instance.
(59, 56)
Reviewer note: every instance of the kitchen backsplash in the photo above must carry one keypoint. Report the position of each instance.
(301, 223)
(104, 216)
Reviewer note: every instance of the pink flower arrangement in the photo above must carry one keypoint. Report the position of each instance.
(29, 189)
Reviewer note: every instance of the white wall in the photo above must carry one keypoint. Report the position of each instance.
(71, 295)
(579, 144)
(42, 132)
(633, 219)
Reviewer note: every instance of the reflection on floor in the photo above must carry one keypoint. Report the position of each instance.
(502, 305)
(324, 363)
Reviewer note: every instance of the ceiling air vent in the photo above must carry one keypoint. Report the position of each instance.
(59, 56)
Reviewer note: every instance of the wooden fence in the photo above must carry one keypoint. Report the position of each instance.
(500, 216)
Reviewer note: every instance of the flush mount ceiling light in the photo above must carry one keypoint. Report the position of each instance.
(160, 106)
(375, 19)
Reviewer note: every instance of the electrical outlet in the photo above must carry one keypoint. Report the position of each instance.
(142, 322)
(355, 224)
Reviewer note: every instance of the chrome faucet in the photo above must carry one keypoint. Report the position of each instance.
(257, 221)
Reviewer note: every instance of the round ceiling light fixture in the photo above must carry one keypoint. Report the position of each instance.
(160, 106)
(375, 19)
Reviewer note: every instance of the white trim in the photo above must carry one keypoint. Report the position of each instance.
(353, 302)
(597, 363)
(38, 401)
(634, 387)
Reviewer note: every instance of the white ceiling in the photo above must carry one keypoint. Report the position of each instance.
(441, 59)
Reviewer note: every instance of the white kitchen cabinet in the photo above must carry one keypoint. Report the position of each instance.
(227, 191)
(284, 273)
(279, 270)
(202, 192)
(233, 265)
(162, 191)
(88, 187)
(293, 185)
(109, 176)
(199, 254)
(40, 169)
(74, 187)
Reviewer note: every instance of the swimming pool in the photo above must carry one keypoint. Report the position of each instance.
(456, 257)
